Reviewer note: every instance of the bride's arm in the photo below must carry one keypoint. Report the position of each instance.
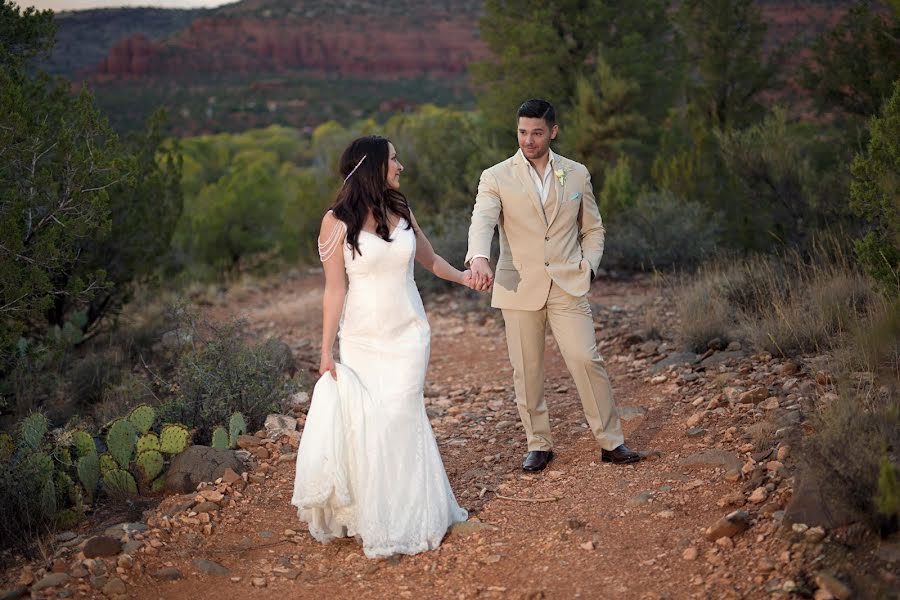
(428, 258)
(332, 236)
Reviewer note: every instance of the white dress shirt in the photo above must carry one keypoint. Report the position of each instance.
(542, 184)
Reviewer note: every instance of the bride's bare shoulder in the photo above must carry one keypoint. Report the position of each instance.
(330, 222)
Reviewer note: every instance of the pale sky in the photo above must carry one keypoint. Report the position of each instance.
(59, 5)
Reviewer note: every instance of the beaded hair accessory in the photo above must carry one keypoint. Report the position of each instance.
(355, 168)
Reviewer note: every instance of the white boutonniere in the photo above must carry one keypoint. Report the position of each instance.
(561, 175)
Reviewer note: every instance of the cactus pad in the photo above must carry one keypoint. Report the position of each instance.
(84, 443)
(32, 431)
(220, 438)
(121, 439)
(65, 457)
(107, 463)
(173, 438)
(142, 417)
(48, 498)
(159, 484)
(236, 427)
(149, 465)
(38, 465)
(89, 472)
(148, 441)
(119, 482)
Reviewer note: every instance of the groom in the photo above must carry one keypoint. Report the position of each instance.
(551, 241)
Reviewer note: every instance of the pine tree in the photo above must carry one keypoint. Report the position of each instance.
(855, 65)
(543, 49)
(729, 70)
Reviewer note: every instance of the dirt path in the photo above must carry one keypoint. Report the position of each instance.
(607, 532)
(614, 532)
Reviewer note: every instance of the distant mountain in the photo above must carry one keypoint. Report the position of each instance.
(387, 40)
(301, 62)
(84, 37)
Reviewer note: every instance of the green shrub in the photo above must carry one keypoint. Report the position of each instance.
(660, 232)
(875, 195)
(26, 517)
(224, 374)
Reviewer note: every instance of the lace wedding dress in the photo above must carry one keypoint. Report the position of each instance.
(368, 464)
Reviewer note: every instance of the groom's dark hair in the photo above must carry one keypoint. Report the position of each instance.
(538, 109)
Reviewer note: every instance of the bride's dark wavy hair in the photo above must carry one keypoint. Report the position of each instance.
(367, 190)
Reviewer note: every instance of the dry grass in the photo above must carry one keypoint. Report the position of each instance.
(762, 434)
(785, 305)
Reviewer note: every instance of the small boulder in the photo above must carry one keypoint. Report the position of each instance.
(49, 581)
(102, 545)
(279, 425)
(167, 574)
(467, 528)
(211, 567)
(729, 526)
(199, 464)
(114, 587)
(754, 396)
(833, 586)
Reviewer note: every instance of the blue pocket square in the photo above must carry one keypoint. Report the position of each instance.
(575, 197)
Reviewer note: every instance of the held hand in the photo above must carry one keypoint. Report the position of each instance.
(467, 279)
(326, 365)
(482, 276)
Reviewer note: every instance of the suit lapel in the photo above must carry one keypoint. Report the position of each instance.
(520, 166)
(560, 188)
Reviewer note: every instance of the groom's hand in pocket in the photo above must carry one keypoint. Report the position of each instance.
(482, 276)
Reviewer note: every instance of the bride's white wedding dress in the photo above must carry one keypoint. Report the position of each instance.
(368, 464)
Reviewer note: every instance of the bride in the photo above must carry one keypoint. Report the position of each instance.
(368, 464)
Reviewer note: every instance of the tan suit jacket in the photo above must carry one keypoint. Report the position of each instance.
(535, 250)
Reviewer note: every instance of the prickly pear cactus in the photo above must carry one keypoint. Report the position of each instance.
(220, 438)
(236, 427)
(48, 498)
(121, 439)
(173, 438)
(32, 431)
(39, 465)
(107, 463)
(142, 417)
(65, 488)
(7, 447)
(159, 484)
(64, 456)
(89, 472)
(149, 464)
(84, 443)
(148, 441)
(119, 482)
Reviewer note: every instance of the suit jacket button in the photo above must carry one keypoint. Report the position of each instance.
(547, 239)
(546, 264)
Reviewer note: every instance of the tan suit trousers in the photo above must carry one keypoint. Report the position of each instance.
(572, 326)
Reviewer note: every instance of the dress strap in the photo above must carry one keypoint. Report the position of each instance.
(335, 238)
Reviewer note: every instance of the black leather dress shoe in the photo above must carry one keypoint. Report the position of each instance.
(620, 455)
(537, 460)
